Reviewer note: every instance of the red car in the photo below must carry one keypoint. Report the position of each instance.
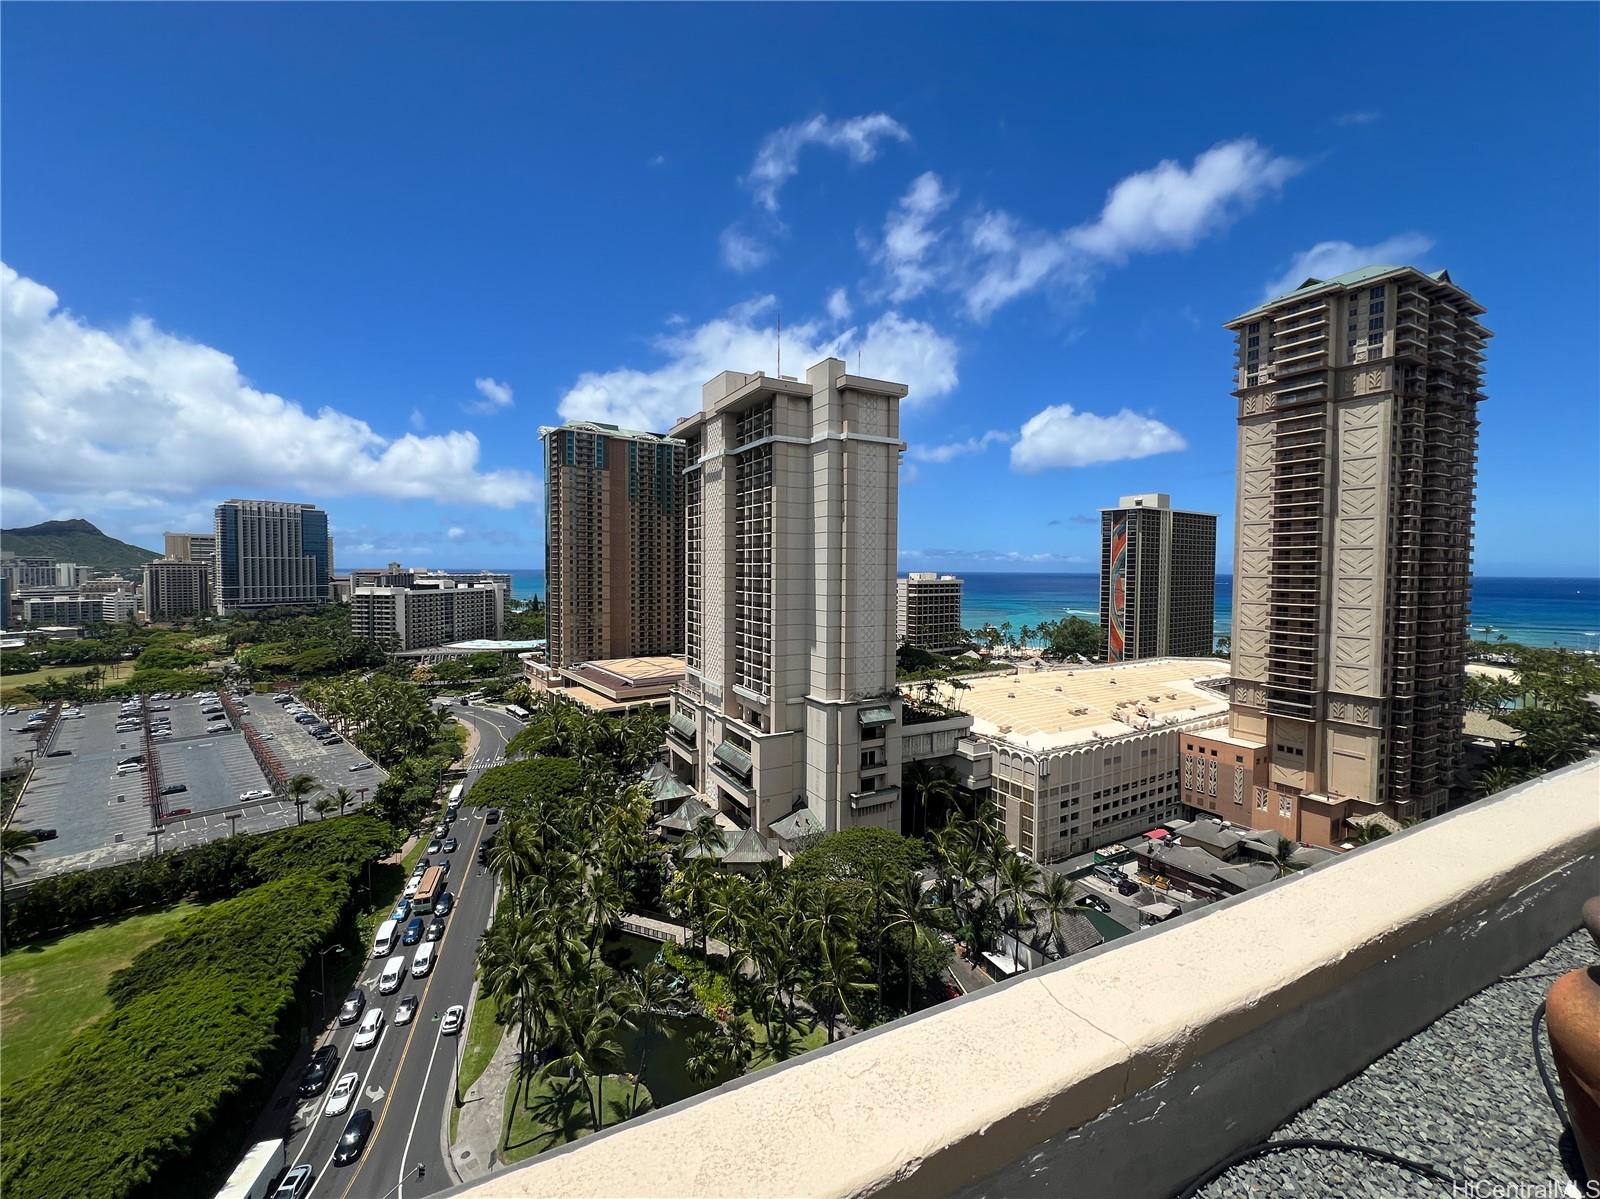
(179, 812)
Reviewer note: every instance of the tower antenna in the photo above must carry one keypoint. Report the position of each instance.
(780, 343)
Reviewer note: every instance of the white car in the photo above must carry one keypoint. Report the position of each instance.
(371, 1029)
(264, 736)
(412, 884)
(343, 1092)
(454, 1016)
(254, 793)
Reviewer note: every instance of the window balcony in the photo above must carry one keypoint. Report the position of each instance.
(1176, 1036)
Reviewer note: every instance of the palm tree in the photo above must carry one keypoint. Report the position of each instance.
(1283, 855)
(591, 1020)
(914, 907)
(342, 796)
(1016, 879)
(706, 839)
(1497, 778)
(648, 996)
(323, 806)
(514, 856)
(840, 972)
(15, 849)
(1366, 834)
(1054, 897)
(296, 789)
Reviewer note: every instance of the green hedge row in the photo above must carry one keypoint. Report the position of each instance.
(157, 1098)
(64, 903)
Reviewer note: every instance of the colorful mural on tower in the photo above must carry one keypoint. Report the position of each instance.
(1115, 644)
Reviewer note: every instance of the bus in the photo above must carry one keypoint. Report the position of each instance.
(428, 893)
(455, 796)
(514, 710)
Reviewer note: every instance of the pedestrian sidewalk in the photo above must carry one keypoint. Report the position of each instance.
(478, 1132)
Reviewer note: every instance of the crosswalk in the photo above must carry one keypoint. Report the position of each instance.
(484, 761)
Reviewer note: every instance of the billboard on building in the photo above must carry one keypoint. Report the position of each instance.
(1115, 643)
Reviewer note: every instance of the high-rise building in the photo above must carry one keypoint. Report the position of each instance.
(791, 499)
(270, 554)
(406, 616)
(194, 547)
(1158, 579)
(613, 543)
(929, 611)
(70, 575)
(29, 572)
(176, 590)
(119, 606)
(1358, 429)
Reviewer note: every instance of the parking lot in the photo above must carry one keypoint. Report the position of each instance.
(301, 753)
(101, 817)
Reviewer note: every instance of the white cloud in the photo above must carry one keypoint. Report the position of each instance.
(778, 159)
(742, 251)
(455, 533)
(1357, 118)
(496, 395)
(908, 236)
(839, 304)
(140, 412)
(745, 338)
(18, 508)
(955, 449)
(1329, 258)
(1061, 436)
(419, 422)
(1168, 207)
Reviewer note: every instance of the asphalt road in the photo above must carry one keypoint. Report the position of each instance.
(407, 1080)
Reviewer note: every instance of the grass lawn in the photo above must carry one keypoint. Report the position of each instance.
(483, 1038)
(11, 684)
(52, 989)
(555, 1110)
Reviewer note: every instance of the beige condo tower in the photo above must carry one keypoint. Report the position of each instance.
(1358, 427)
(791, 503)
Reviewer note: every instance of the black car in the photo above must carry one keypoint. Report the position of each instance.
(59, 753)
(444, 865)
(354, 1139)
(42, 834)
(217, 716)
(435, 929)
(354, 1004)
(1127, 887)
(492, 816)
(174, 788)
(442, 905)
(450, 845)
(1095, 902)
(413, 932)
(134, 760)
(319, 1071)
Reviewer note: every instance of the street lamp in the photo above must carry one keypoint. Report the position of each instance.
(233, 822)
(322, 975)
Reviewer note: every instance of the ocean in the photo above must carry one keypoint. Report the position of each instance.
(1543, 612)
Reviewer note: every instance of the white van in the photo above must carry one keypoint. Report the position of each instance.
(394, 972)
(130, 768)
(388, 938)
(423, 962)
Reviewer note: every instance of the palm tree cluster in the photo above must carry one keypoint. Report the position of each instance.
(1547, 701)
(557, 727)
(387, 717)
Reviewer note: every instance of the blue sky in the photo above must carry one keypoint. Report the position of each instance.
(358, 254)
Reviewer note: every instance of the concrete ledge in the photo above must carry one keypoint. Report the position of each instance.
(987, 1095)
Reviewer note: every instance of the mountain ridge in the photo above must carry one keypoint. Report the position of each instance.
(75, 540)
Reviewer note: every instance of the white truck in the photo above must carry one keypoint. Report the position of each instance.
(252, 1177)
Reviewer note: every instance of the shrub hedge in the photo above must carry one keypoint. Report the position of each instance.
(157, 1098)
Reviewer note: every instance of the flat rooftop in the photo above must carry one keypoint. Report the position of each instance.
(1058, 708)
(615, 684)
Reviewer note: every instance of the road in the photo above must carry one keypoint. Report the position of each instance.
(407, 1080)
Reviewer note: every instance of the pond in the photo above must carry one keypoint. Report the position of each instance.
(666, 1072)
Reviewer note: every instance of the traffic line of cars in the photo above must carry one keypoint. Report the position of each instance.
(402, 928)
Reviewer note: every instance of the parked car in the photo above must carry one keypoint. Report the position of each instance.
(442, 905)
(451, 845)
(42, 834)
(254, 793)
(343, 1093)
(220, 728)
(435, 929)
(59, 753)
(414, 930)
(405, 1010)
(130, 768)
(319, 1070)
(360, 766)
(354, 1004)
(371, 1029)
(1127, 887)
(331, 739)
(174, 788)
(296, 1183)
(176, 812)
(454, 1017)
(354, 1138)
(1095, 902)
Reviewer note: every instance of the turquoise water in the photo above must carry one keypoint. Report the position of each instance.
(1563, 612)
